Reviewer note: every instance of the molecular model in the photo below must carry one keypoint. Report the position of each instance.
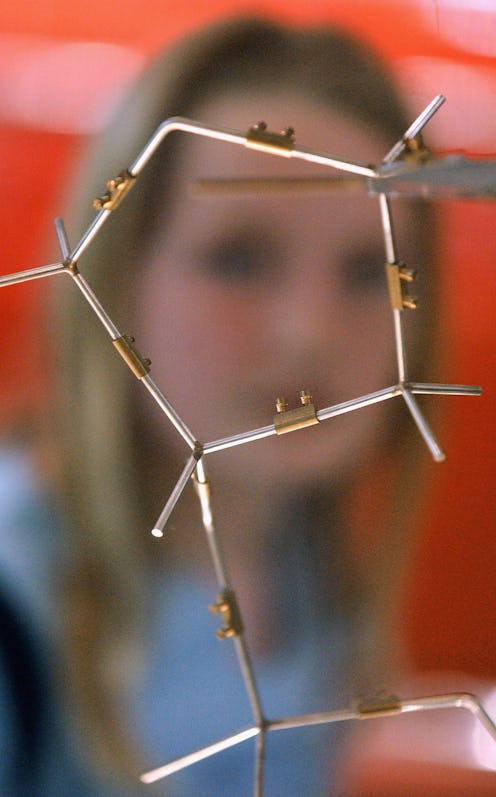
(286, 420)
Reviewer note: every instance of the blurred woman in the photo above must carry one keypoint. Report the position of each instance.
(237, 297)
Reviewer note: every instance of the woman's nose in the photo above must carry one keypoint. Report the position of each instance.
(308, 314)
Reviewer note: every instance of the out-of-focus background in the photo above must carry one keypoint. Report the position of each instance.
(64, 66)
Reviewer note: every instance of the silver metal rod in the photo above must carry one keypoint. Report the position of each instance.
(260, 749)
(423, 426)
(358, 403)
(158, 530)
(415, 128)
(239, 439)
(95, 304)
(400, 347)
(445, 390)
(62, 237)
(322, 415)
(432, 702)
(247, 671)
(387, 228)
(199, 755)
(203, 491)
(391, 257)
(235, 137)
(32, 274)
(169, 411)
(463, 700)
(89, 235)
(202, 486)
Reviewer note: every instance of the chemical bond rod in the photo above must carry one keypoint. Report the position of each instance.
(322, 415)
(32, 274)
(390, 247)
(95, 304)
(89, 235)
(236, 137)
(423, 426)
(158, 530)
(415, 128)
(203, 491)
(202, 485)
(445, 390)
(358, 403)
(199, 755)
(169, 411)
(62, 237)
(260, 749)
(430, 703)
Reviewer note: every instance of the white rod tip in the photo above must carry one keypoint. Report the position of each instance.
(157, 533)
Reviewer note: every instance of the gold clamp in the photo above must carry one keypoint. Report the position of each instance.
(227, 606)
(289, 420)
(381, 704)
(117, 188)
(397, 275)
(258, 137)
(139, 365)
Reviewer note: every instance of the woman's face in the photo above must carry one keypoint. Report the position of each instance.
(248, 296)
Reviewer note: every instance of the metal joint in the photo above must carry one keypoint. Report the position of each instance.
(397, 275)
(117, 188)
(139, 365)
(258, 137)
(289, 420)
(381, 704)
(227, 607)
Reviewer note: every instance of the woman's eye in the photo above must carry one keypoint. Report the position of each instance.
(239, 258)
(362, 269)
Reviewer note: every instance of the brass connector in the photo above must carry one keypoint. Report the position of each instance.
(227, 607)
(117, 188)
(289, 420)
(381, 704)
(397, 274)
(139, 365)
(258, 137)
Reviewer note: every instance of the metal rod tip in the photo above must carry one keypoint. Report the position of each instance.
(157, 533)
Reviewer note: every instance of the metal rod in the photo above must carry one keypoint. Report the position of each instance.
(358, 403)
(169, 411)
(423, 426)
(260, 750)
(202, 485)
(455, 700)
(89, 235)
(203, 491)
(199, 755)
(235, 137)
(158, 530)
(432, 702)
(445, 390)
(391, 257)
(415, 128)
(32, 274)
(95, 304)
(63, 240)
(324, 414)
